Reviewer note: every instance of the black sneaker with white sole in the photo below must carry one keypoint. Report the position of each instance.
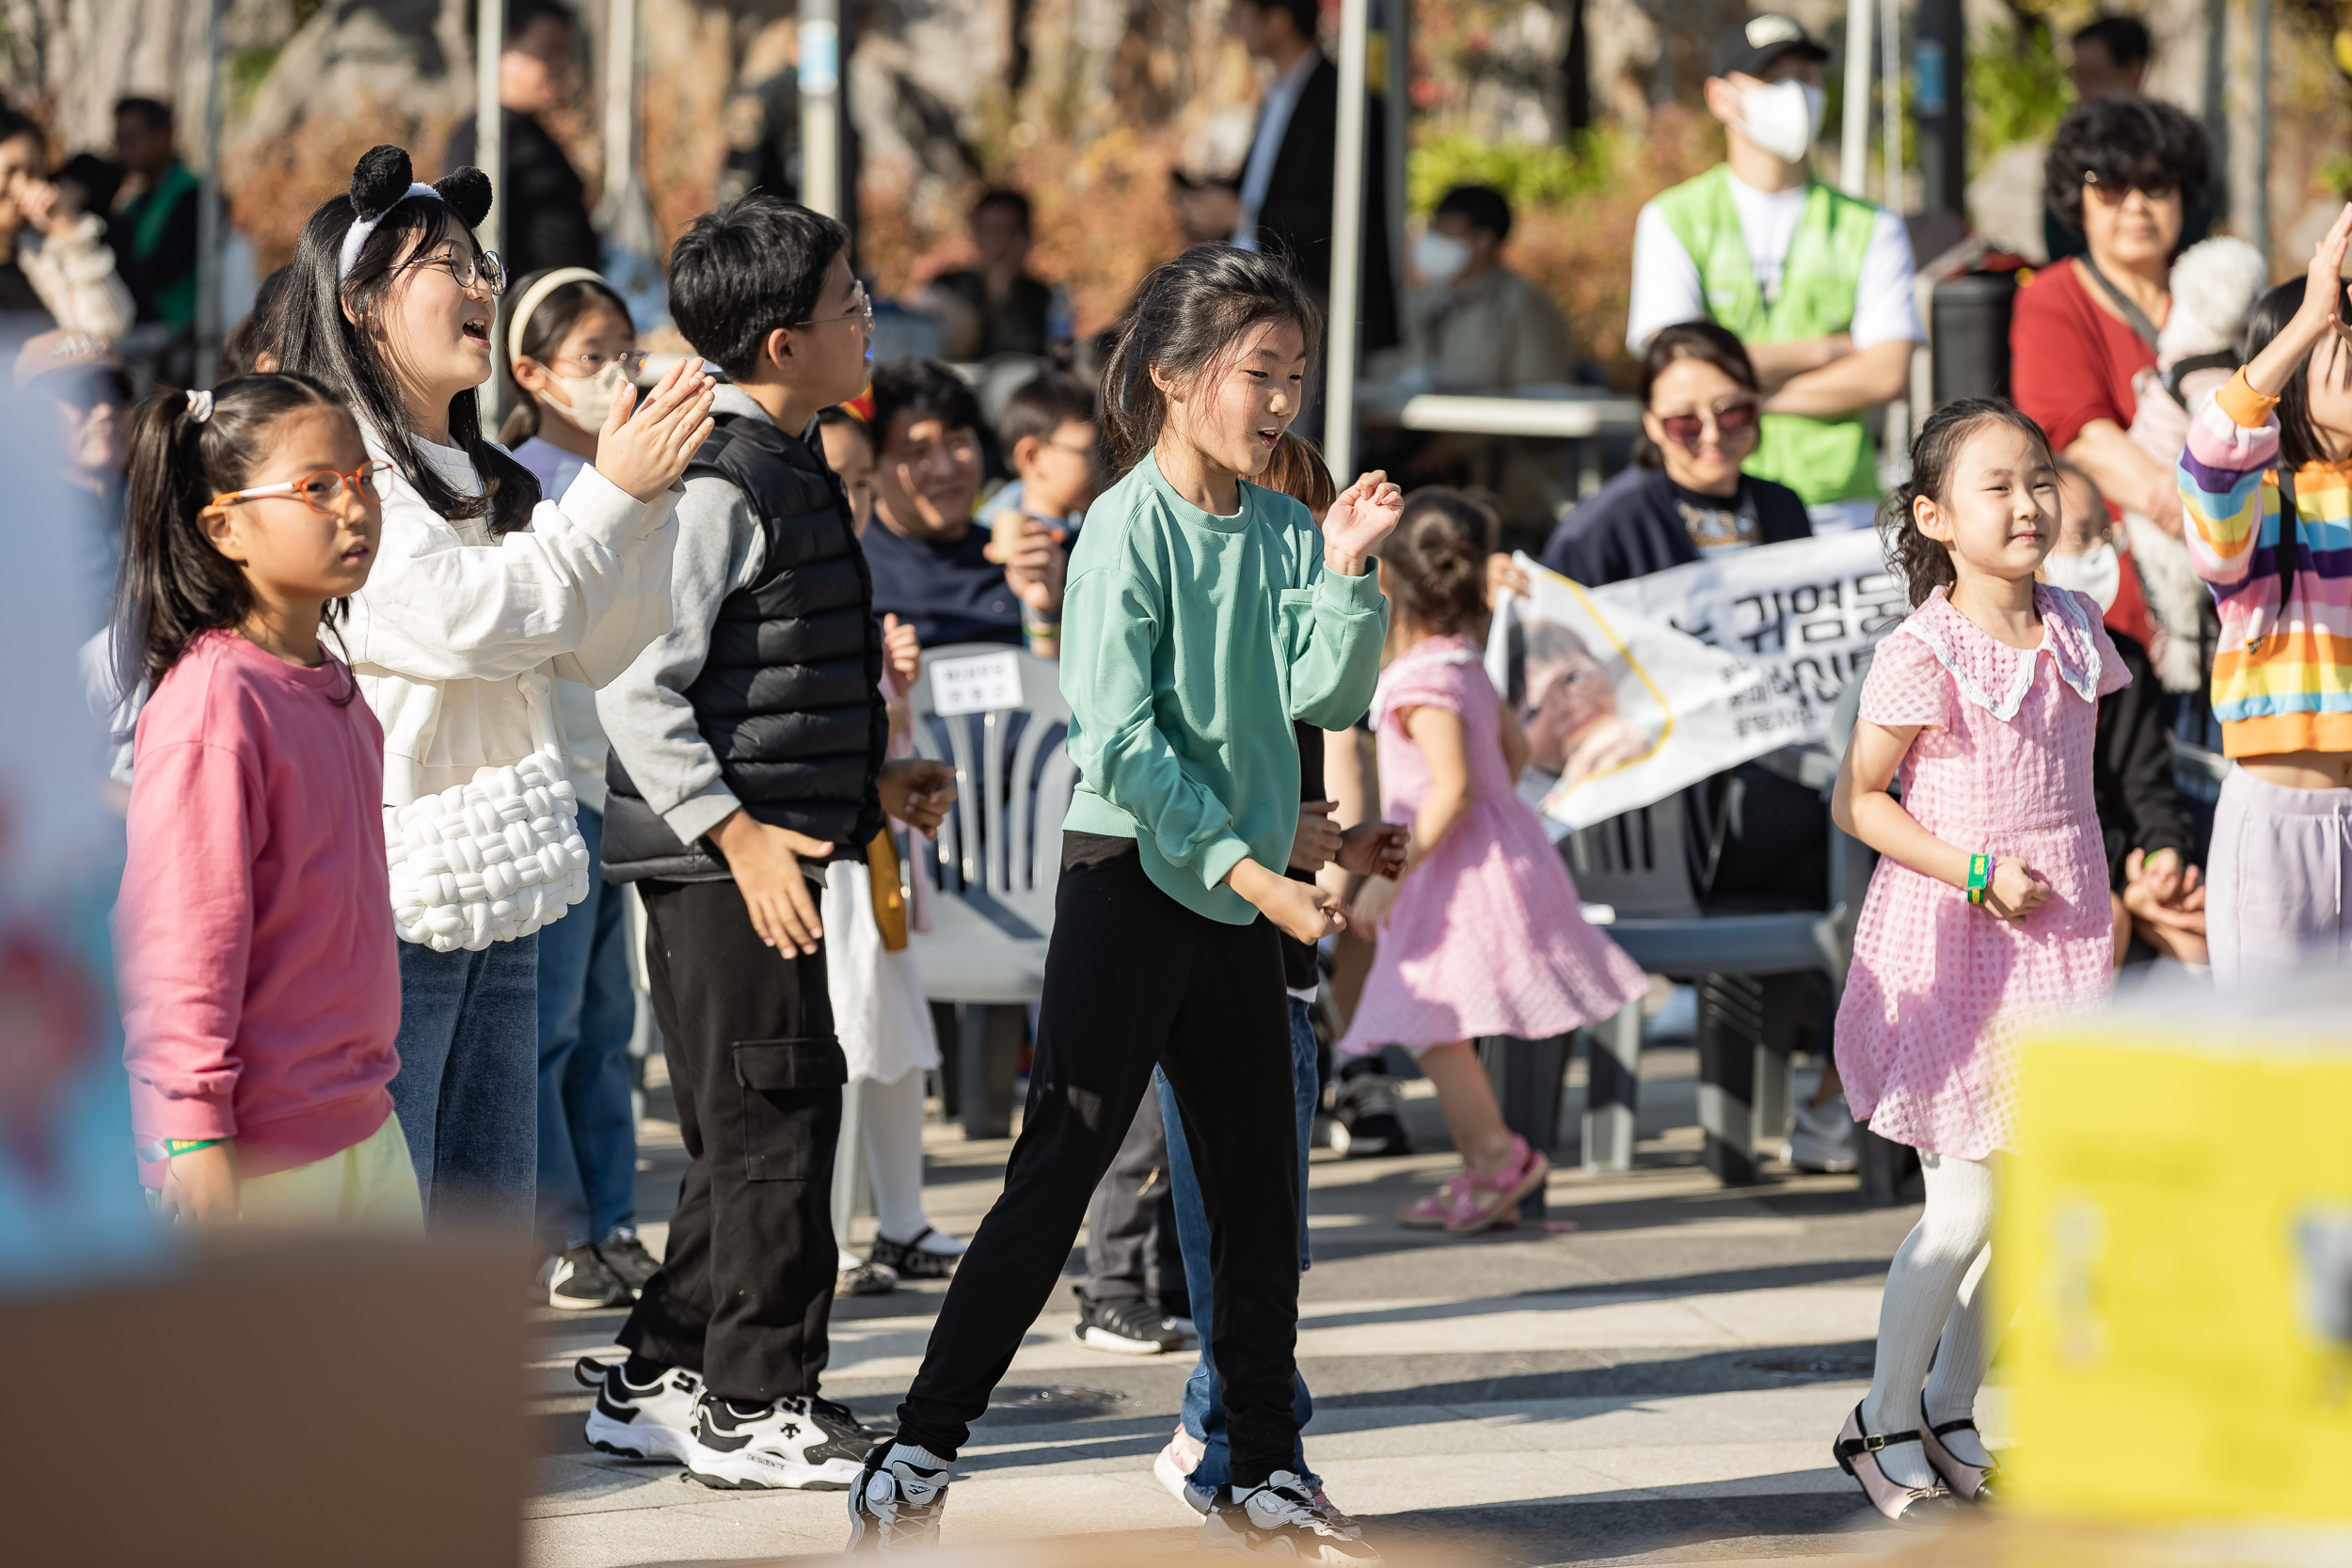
(894, 1506)
(1365, 1119)
(578, 1281)
(1280, 1519)
(1132, 1326)
(655, 1421)
(626, 1257)
(794, 1444)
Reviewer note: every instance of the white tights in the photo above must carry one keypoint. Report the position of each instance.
(891, 1115)
(1935, 1309)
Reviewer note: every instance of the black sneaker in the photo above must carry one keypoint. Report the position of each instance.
(895, 1507)
(841, 1415)
(1364, 1118)
(795, 1444)
(626, 1257)
(866, 1279)
(1132, 1326)
(578, 1281)
(1280, 1519)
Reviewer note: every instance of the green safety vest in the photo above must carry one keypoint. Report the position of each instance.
(1821, 460)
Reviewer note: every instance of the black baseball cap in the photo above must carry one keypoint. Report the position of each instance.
(1749, 46)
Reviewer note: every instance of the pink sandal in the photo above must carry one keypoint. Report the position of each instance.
(1857, 1452)
(1431, 1212)
(1972, 1481)
(1488, 1199)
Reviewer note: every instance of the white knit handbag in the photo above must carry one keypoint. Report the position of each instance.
(493, 859)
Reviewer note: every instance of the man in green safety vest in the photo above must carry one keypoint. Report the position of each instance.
(1816, 283)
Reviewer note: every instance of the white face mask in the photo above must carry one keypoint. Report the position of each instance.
(1440, 258)
(2097, 571)
(1783, 118)
(588, 400)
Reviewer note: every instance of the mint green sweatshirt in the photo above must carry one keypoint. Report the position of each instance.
(1189, 642)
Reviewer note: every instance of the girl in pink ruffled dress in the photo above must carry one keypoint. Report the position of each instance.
(1989, 909)
(1482, 933)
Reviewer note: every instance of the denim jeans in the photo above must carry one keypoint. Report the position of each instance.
(1205, 1396)
(468, 1089)
(587, 1012)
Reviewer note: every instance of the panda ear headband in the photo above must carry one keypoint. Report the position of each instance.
(384, 179)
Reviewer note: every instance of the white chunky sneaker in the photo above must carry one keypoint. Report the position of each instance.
(1279, 1519)
(655, 1422)
(894, 1506)
(1175, 1467)
(794, 1444)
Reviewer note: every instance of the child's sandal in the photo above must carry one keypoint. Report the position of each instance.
(1488, 1199)
(1433, 1212)
(1857, 1454)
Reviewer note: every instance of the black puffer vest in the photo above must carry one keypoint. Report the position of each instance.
(789, 694)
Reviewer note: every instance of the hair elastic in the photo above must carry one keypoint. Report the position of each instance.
(199, 405)
(356, 237)
(535, 295)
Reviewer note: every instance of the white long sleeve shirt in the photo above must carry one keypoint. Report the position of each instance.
(450, 618)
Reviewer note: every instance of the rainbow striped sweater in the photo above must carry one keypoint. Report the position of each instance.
(2282, 674)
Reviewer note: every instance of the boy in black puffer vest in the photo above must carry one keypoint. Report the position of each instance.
(747, 750)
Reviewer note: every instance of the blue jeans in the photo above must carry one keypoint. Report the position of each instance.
(1205, 1396)
(587, 1012)
(468, 1089)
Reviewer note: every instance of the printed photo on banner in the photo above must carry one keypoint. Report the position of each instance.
(1799, 613)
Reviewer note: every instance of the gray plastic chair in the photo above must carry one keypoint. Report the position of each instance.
(992, 873)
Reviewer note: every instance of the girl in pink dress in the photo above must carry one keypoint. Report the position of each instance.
(1481, 934)
(1989, 909)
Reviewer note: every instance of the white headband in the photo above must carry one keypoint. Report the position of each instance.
(356, 237)
(199, 405)
(535, 295)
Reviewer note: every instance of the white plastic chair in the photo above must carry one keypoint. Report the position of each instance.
(992, 873)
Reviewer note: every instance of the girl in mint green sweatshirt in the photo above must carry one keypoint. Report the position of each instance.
(1203, 614)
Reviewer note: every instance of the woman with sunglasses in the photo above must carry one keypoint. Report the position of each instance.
(482, 592)
(1684, 496)
(2123, 171)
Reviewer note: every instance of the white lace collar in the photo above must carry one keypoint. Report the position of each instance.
(1993, 675)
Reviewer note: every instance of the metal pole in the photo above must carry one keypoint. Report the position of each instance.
(821, 107)
(2257, 205)
(1395, 128)
(1891, 102)
(489, 130)
(1347, 244)
(620, 110)
(211, 229)
(1854, 142)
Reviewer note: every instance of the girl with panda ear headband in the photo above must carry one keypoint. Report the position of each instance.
(481, 590)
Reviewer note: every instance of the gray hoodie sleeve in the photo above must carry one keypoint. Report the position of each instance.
(645, 712)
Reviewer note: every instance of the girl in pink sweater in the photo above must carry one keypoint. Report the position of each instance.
(260, 986)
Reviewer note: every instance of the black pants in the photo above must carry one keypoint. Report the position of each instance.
(1135, 979)
(745, 1288)
(1131, 1224)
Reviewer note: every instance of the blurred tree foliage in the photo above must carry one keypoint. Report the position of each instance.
(1530, 174)
(2017, 87)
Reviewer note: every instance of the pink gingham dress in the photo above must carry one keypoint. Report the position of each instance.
(1487, 936)
(1939, 988)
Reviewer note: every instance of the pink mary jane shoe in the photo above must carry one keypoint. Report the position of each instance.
(1973, 1481)
(1857, 1454)
(1491, 1199)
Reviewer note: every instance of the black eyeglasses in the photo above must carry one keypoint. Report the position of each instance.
(468, 270)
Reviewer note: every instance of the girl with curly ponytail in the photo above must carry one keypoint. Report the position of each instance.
(1481, 932)
(484, 593)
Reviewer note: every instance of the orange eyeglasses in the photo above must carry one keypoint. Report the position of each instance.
(370, 481)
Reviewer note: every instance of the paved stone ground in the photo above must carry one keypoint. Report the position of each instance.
(1659, 1387)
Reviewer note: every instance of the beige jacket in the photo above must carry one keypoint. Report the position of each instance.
(1492, 335)
(73, 273)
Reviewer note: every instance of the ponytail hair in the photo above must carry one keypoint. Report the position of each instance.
(1298, 471)
(185, 448)
(1437, 559)
(1925, 564)
(1189, 314)
(317, 339)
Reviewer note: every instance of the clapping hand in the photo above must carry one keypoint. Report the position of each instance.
(2159, 890)
(646, 454)
(2317, 326)
(1360, 521)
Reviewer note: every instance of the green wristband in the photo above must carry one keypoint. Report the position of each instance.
(1979, 876)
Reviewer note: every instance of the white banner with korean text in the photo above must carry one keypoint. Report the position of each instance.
(1630, 692)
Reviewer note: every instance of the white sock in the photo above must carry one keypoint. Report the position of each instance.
(1922, 1286)
(844, 1260)
(922, 1459)
(1961, 1357)
(892, 1118)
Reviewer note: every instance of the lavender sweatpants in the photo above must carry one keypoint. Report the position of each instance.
(2276, 880)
